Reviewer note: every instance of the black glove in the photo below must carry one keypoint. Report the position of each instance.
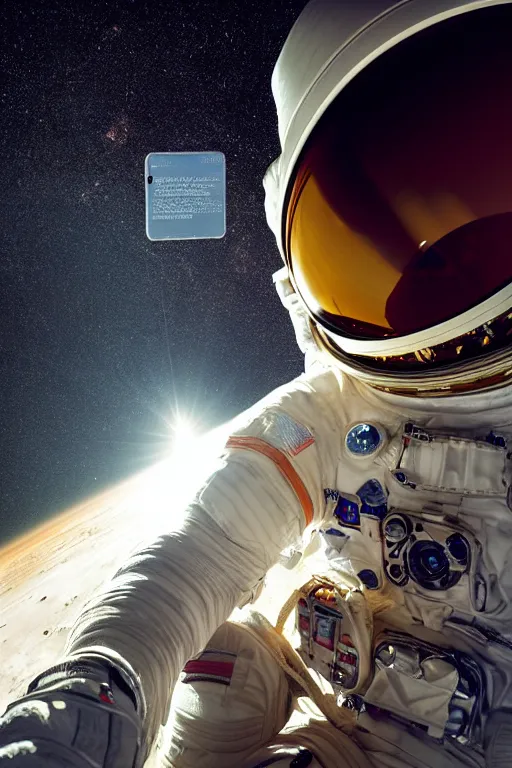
(79, 714)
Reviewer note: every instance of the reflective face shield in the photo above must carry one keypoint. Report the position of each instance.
(400, 214)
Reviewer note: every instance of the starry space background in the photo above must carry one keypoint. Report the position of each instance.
(103, 333)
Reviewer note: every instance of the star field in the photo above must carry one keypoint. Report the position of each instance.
(104, 334)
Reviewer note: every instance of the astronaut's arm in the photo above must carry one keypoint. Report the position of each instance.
(165, 603)
(102, 704)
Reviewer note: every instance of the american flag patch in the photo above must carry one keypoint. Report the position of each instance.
(209, 669)
(285, 433)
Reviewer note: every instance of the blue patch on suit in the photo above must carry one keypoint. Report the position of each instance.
(374, 499)
(347, 512)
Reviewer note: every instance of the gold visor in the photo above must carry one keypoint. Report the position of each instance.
(400, 214)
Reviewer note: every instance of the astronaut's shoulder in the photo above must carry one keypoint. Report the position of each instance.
(303, 390)
(294, 415)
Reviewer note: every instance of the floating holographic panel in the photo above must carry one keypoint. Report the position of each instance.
(185, 195)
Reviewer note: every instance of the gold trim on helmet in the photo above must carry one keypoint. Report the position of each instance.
(477, 360)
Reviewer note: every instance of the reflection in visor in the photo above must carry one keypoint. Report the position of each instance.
(490, 337)
(453, 275)
(400, 216)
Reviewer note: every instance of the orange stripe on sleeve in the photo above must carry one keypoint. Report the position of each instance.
(283, 464)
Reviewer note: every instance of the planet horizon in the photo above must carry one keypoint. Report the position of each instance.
(48, 574)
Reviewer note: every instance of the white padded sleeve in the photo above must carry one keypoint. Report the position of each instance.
(168, 599)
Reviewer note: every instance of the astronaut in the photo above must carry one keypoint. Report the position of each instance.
(391, 204)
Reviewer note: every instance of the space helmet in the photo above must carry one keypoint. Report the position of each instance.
(391, 201)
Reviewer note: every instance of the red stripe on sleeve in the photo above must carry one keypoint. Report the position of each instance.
(217, 668)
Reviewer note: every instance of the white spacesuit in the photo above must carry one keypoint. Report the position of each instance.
(392, 207)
